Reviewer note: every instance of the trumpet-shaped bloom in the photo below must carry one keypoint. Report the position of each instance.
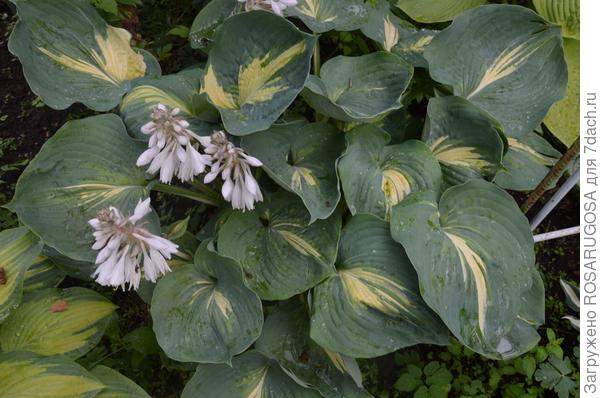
(126, 248)
(239, 186)
(170, 148)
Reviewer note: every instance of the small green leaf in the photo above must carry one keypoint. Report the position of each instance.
(529, 366)
(359, 88)
(179, 30)
(142, 340)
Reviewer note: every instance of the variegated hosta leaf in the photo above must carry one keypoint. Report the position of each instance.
(474, 256)
(18, 250)
(75, 269)
(25, 374)
(57, 321)
(209, 18)
(302, 159)
(371, 306)
(285, 338)
(562, 12)
(324, 15)
(563, 117)
(69, 54)
(280, 251)
(42, 274)
(376, 176)
(117, 385)
(396, 35)
(511, 63)
(359, 88)
(202, 312)
(526, 163)
(251, 375)
(181, 90)
(255, 80)
(87, 165)
(466, 141)
(431, 11)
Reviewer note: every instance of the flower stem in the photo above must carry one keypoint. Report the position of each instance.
(317, 58)
(188, 193)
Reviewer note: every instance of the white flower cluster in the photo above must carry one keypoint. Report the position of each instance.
(171, 151)
(124, 245)
(277, 6)
(239, 186)
(170, 148)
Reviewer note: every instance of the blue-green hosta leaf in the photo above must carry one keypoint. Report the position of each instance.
(376, 176)
(431, 11)
(359, 88)
(526, 163)
(510, 63)
(251, 375)
(255, 80)
(25, 374)
(57, 321)
(209, 18)
(285, 338)
(561, 12)
(203, 312)
(466, 141)
(117, 385)
(18, 251)
(75, 269)
(396, 35)
(371, 306)
(87, 165)
(181, 90)
(324, 15)
(474, 256)
(42, 274)
(281, 252)
(302, 159)
(69, 54)
(563, 117)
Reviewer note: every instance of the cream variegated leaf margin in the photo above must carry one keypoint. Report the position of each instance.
(375, 176)
(70, 54)
(478, 244)
(302, 158)
(253, 82)
(117, 385)
(18, 251)
(209, 294)
(251, 375)
(281, 252)
(371, 306)
(466, 141)
(51, 321)
(84, 167)
(285, 339)
(325, 15)
(25, 374)
(502, 47)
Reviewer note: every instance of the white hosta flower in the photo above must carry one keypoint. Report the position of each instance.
(239, 186)
(170, 148)
(277, 6)
(126, 248)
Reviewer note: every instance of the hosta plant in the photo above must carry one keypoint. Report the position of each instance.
(356, 203)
